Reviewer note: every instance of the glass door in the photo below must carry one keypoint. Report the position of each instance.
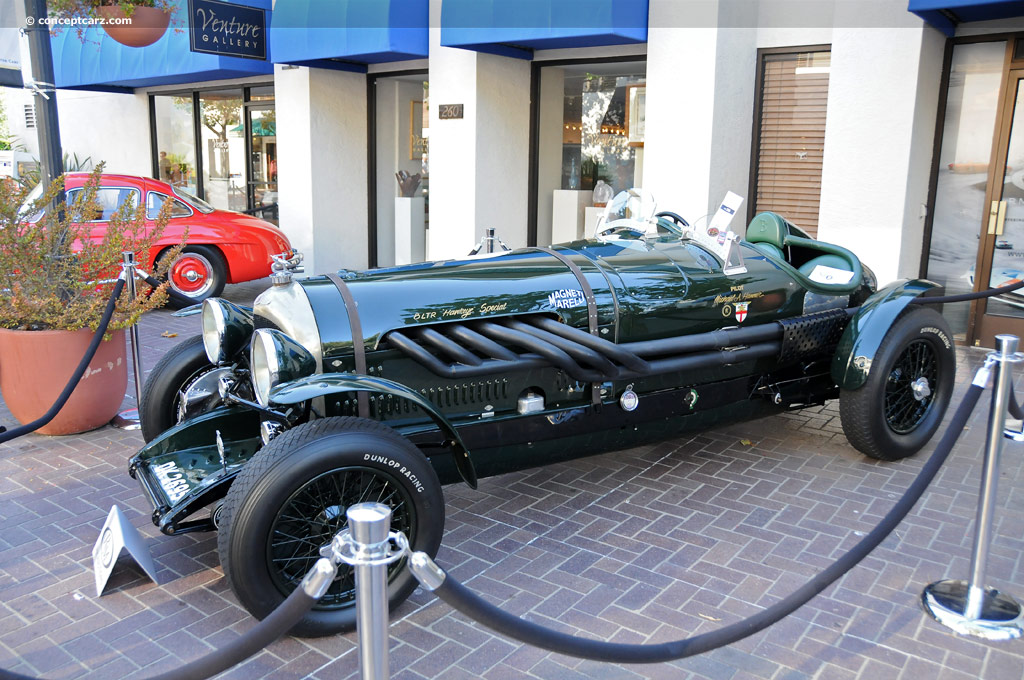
(223, 147)
(1001, 255)
(401, 168)
(968, 127)
(262, 185)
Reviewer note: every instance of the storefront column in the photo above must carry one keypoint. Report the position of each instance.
(700, 93)
(321, 134)
(879, 134)
(479, 163)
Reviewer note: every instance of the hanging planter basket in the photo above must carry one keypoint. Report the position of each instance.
(148, 24)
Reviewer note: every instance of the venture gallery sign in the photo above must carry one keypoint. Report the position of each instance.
(226, 29)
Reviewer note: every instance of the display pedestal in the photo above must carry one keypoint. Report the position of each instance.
(410, 230)
(591, 216)
(567, 214)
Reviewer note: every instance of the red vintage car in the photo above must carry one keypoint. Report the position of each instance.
(223, 246)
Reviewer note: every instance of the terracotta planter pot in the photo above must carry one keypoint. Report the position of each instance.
(148, 24)
(36, 365)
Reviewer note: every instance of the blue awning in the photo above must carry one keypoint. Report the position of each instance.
(346, 33)
(515, 29)
(946, 14)
(95, 61)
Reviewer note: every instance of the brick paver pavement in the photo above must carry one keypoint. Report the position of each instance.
(645, 545)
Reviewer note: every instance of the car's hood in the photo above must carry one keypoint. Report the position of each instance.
(647, 290)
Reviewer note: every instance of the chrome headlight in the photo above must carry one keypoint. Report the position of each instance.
(275, 358)
(226, 328)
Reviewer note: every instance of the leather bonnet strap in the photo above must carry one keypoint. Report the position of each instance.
(358, 343)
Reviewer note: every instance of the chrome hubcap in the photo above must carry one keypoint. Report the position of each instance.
(921, 389)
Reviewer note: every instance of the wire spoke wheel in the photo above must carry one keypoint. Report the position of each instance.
(900, 403)
(906, 407)
(290, 500)
(315, 513)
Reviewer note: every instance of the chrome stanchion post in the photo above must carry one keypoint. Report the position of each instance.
(129, 419)
(366, 547)
(369, 524)
(969, 607)
(490, 239)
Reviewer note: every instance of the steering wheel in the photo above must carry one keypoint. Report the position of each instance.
(630, 231)
(674, 217)
(677, 226)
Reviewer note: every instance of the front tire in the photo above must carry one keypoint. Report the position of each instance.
(158, 405)
(290, 500)
(908, 388)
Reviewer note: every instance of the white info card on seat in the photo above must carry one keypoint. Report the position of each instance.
(823, 274)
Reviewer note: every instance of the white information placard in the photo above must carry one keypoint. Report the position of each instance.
(117, 534)
(726, 211)
(824, 274)
(719, 238)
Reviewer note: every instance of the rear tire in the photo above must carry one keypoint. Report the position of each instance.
(909, 384)
(290, 500)
(199, 272)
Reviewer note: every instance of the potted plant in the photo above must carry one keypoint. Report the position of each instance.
(55, 280)
(134, 23)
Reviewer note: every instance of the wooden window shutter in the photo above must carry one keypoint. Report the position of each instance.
(791, 139)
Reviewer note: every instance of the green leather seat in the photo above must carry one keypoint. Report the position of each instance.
(767, 227)
(770, 249)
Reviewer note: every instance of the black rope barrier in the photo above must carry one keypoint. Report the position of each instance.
(72, 383)
(276, 624)
(461, 598)
(967, 297)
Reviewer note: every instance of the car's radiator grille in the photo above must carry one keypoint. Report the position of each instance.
(262, 322)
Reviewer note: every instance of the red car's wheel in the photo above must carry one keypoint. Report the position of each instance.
(198, 273)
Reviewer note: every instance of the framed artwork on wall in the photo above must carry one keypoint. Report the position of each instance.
(417, 142)
(636, 114)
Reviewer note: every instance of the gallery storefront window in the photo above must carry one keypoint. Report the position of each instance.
(590, 134)
(175, 136)
(202, 141)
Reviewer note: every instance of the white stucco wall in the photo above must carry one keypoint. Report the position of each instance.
(883, 97)
(680, 107)
(479, 163)
(502, 151)
(108, 127)
(452, 147)
(86, 129)
(321, 134)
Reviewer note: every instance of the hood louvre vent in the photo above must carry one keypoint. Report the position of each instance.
(444, 397)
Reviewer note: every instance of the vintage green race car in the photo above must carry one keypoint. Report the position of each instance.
(383, 385)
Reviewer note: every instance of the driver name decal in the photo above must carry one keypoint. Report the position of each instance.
(397, 467)
(566, 299)
(171, 480)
